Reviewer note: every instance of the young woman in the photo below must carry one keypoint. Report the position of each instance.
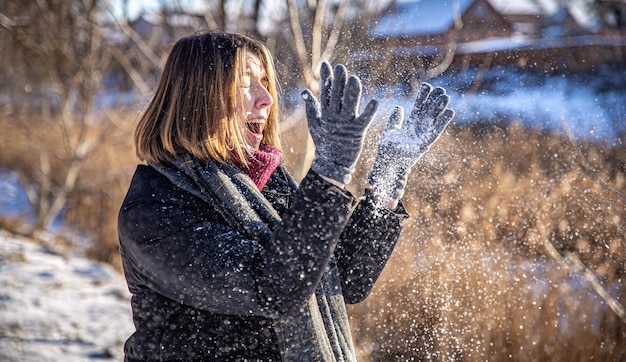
(225, 256)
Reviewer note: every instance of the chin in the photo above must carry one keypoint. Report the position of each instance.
(255, 145)
(254, 141)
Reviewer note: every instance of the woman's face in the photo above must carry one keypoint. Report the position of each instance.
(255, 99)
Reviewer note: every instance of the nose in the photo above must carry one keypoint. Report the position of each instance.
(263, 97)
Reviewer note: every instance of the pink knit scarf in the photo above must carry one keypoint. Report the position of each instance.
(261, 164)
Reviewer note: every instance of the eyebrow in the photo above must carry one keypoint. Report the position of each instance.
(258, 69)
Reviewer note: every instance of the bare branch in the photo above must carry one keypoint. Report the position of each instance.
(132, 34)
(6, 22)
(333, 39)
(299, 45)
(447, 57)
(132, 71)
(317, 31)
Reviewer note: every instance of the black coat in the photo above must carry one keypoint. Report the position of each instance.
(195, 282)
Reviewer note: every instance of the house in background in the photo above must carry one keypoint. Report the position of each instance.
(538, 18)
(436, 34)
(437, 22)
(415, 34)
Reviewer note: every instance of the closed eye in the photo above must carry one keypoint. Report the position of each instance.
(265, 81)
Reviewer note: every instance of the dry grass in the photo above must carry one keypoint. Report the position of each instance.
(486, 267)
(92, 207)
(473, 277)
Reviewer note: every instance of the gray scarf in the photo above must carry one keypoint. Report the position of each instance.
(321, 332)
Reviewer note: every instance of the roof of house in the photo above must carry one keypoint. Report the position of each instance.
(548, 8)
(419, 17)
(525, 7)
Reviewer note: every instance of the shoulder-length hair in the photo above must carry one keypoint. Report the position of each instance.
(194, 107)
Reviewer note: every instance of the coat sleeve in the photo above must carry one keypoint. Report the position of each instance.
(301, 247)
(171, 247)
(366, 244)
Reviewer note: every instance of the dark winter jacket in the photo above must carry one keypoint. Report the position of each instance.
(204, 290)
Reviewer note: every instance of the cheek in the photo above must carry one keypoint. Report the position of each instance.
(245, 100)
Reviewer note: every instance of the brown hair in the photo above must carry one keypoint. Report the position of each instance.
(193, 109)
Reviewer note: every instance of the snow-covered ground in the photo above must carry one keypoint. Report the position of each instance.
(588, 105)
(56, 307)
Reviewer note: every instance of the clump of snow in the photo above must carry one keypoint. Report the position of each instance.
(59, 308)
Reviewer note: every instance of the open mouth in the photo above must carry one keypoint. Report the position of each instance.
(256, 127)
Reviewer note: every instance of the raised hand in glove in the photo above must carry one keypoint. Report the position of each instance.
(404, 142)
(334, 123)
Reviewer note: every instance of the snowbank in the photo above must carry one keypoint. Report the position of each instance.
(59, 308)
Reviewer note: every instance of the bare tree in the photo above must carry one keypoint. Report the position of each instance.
(56, 50)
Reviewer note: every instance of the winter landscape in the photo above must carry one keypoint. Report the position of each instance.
(57, 302)
(516, 245)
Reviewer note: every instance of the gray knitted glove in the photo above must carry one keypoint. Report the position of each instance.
(334, 123)
(403, 143)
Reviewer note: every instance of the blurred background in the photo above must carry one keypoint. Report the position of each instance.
(516, 244)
